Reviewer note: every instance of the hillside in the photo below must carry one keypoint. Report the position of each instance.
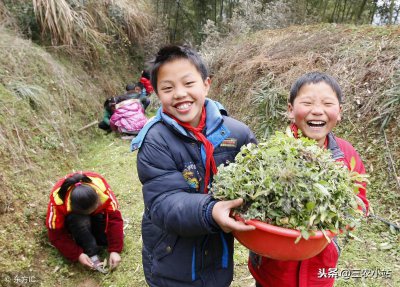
(47, 95)
(252, 76)
(253, 80)
(49, 90)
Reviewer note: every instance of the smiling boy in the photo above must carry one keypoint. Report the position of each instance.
(185, 231)
(314, 108)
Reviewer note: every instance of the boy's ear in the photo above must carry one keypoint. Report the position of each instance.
(207, 84)
(339, 118)
(290, 112)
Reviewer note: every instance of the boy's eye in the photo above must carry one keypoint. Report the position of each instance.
(166, 89)
(189, 83)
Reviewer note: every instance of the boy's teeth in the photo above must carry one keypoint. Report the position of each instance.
(316, 124)
(183, 106)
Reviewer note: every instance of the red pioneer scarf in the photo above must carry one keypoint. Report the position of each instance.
(208, 146)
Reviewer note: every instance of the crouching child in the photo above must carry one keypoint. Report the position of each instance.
(83, 216)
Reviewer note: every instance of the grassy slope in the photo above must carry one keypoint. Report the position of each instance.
(24, 245)
(257, 71)
(110, 156)
(45, 97)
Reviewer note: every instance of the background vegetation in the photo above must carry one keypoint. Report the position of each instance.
(185, 19)
(59, 60)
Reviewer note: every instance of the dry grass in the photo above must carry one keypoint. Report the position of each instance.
(387, 110)
(38, 113)
(136, 18)
(90, 27)
(73, 28)
(252, 78)
(362, 59)
(6, 18)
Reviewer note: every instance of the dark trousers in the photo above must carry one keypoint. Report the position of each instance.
(88, 231)
(104, 126)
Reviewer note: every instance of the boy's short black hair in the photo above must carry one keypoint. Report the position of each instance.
(129, 87)
(109, 103)
(314, 78)
(173, 52)
(146, 74)
(140, 85)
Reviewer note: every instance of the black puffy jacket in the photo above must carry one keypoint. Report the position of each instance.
(182, 245)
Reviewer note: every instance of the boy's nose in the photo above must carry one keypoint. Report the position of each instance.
(180, 92)
(317, 109)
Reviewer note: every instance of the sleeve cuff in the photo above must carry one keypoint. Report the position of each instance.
(208, 215)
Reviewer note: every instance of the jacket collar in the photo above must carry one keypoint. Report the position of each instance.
(334, 147)
(214, 118)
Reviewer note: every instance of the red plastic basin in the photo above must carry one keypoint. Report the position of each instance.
(279, 243)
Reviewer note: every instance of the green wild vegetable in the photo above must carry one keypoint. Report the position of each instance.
(292, 183)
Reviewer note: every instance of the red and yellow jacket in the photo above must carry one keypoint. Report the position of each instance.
(270, 272)
(57, 210)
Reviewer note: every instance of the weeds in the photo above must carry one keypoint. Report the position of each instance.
(271, 106)
(390, 101)
(291, 183)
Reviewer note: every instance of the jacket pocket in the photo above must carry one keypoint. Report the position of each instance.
(173, 258)
(165, 245)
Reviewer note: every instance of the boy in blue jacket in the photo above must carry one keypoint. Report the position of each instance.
(186, 232)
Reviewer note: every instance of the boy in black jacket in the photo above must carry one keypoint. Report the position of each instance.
(186, 232)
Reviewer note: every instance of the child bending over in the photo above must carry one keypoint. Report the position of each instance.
(81, 216)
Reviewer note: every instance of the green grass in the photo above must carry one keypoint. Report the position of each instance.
(110, 156)
(26, 248)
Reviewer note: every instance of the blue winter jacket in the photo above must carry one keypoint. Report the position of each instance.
(182, 245)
